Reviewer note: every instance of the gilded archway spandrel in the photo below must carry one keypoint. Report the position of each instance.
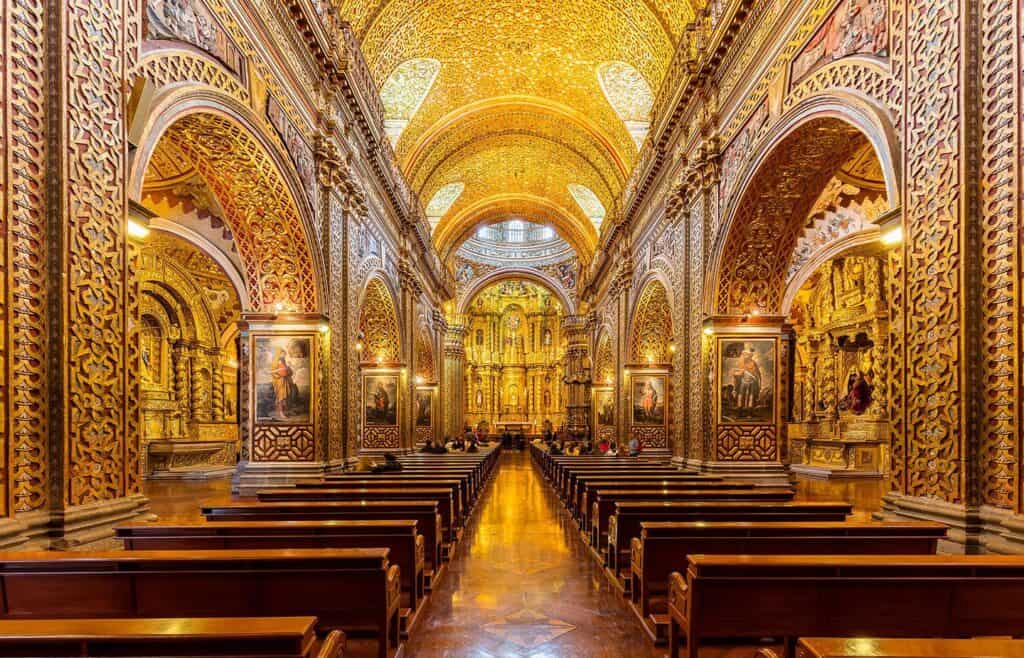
(651, 328)
(378, 322)
(166, 67)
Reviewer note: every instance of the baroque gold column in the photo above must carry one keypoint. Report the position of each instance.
(453, 392)
(577, 374)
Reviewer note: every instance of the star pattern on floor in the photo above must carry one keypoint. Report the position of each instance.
(528, 628)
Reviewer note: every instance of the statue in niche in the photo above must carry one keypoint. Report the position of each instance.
(547, 338)
(858, 396)
(479, 399)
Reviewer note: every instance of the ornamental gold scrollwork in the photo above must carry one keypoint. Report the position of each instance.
(651, 329)
(265, 222)
(378, 323)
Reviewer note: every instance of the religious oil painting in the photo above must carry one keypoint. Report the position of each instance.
(649, 400)
(424, 403)
(192, 22)
(856, 27)
(747, 381)
(283, 371)
(604, 407)
(380, 400)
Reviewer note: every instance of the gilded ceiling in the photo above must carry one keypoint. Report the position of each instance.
(531, 96)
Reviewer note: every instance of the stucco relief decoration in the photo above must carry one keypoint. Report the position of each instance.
(652, 325)
(856, 27)
(770, 217)
(830, 226)
(264, 220)
(378, 323)
(425, 367)
(192, 21)
(604, 361)
(298, 148)
(737, 153)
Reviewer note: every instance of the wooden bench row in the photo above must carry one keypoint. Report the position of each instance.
(236, 637)
(353, 563)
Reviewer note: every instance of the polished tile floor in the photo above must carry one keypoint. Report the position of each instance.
(522, 583)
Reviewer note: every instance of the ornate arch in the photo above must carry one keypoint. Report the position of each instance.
(604, 358)
(265, 206)
(425, 366)
(651, 329)
(378, 323)
(806, 149)
(568, 308)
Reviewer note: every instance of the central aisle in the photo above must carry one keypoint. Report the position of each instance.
(524, 584)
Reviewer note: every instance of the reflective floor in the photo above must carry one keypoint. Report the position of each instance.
(522, 584)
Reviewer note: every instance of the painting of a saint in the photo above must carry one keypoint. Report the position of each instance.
(856, 27)
(747, 371)
(479, 399)
(380, 399)
(649, 400)
(283, 379)
(604, 404)
(423, 408)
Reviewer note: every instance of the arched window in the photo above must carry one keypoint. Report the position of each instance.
(629, 95)
(403, 93)
(588, 203)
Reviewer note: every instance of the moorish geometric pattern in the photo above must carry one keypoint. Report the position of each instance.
(378, 322)
(528, 628)
(283, 443)
(651, 328)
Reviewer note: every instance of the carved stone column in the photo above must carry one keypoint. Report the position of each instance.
(453, 392)
(577, 374)
(411, 290)
(217, 392)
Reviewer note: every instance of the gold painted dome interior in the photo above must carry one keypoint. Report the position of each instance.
(534, 105)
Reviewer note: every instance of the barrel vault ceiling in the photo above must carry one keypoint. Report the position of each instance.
(517, 100)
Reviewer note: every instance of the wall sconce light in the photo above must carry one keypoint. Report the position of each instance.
(672, 348)
(232, 363)
(279, 307)
(404, 372)
(625, 373)
(608, 380)
(380, 359)
(137, 230)
(650, 359)
(709, 331)
(893, 236)
(419, 380)
(755, 312)
(324, 328)
(359, 346)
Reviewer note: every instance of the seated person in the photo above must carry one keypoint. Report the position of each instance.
(556, 449)
(634, 447)
(587, 448)
(472, 447)
(603, 446)
(613, 450)
(428, 446)
(390, 465)
(366, 464)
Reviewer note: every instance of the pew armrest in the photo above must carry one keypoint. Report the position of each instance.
(765, 652)
(636, 553)
(394, 585)
(677, 593)
(420, 553)
(613, 528)
(333, 646)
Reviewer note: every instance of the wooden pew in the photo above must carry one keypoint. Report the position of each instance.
(472, 487)
(240, 637)
(580, 490)
(819, 647)
(459, 507)
(428, 520)
(346, 589)
(459, 485)
(604, 502)
(443, 498)
(571, 477)
(790, 596)
(589, 489)
(405, 545)
(626, 522)
(662, 548)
